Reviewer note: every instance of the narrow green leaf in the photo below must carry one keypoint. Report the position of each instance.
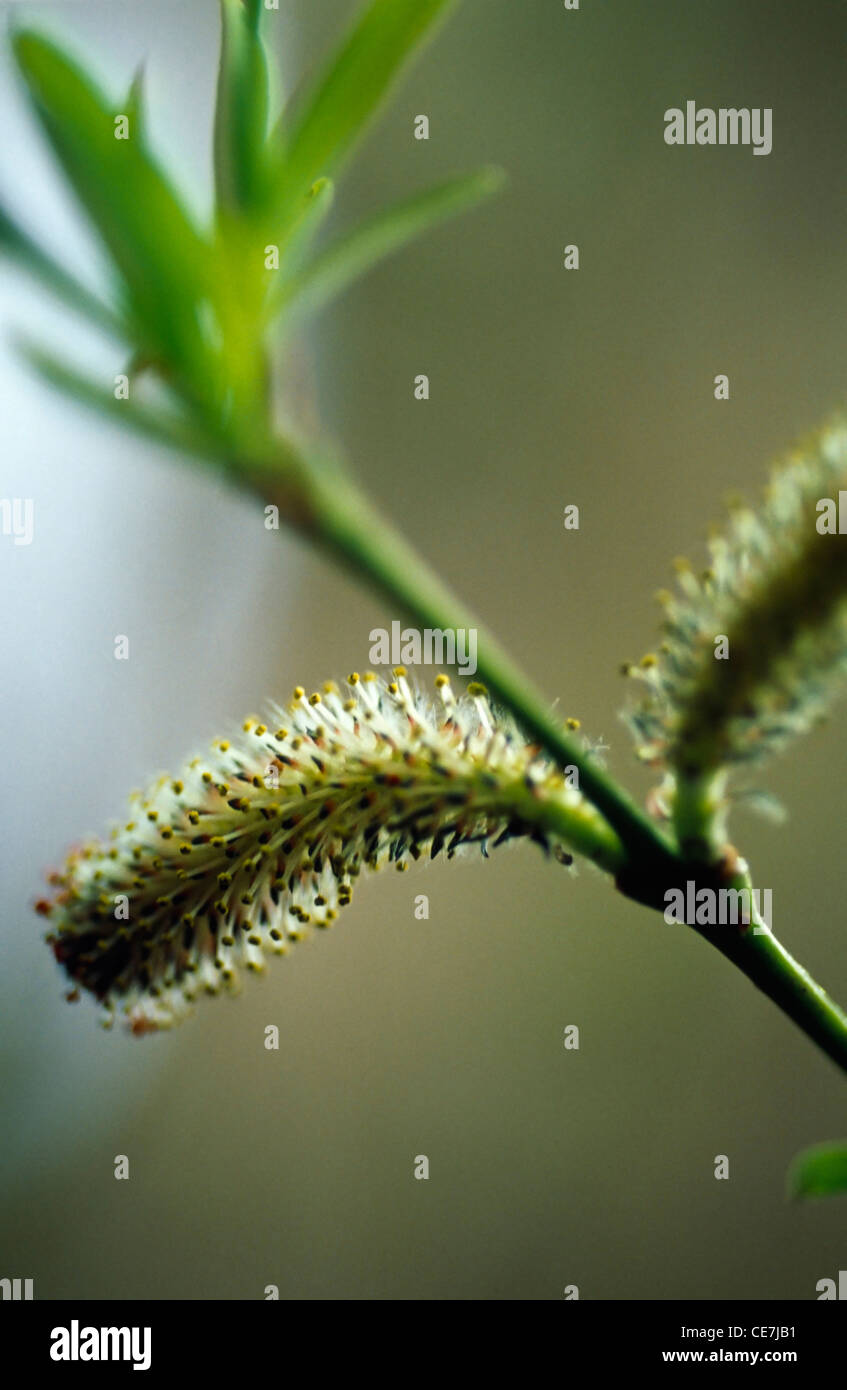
(151, 239)
(333, 270)
(241, 114)
(314, 210)
(19, 247)
(819, 1171)
(166, 428)
(359, 76)
(134, 105)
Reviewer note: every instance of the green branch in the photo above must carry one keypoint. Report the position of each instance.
(348, 526)
(197, 309)
(785, 981)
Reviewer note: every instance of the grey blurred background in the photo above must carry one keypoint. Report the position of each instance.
(443, 1037)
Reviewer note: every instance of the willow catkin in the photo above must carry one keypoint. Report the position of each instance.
(263, 838)
(754, 650)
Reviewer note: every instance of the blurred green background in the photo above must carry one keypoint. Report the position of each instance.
(443, 1037)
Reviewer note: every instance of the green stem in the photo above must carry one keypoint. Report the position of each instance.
(322, 500)
(698, 803)
(775, 971)
(578, 828)
(351, 528)
(754, 949)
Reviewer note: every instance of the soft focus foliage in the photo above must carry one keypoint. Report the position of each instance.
(197, 307)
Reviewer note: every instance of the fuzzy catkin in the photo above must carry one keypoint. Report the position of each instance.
(776, 591)
(264, 837)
